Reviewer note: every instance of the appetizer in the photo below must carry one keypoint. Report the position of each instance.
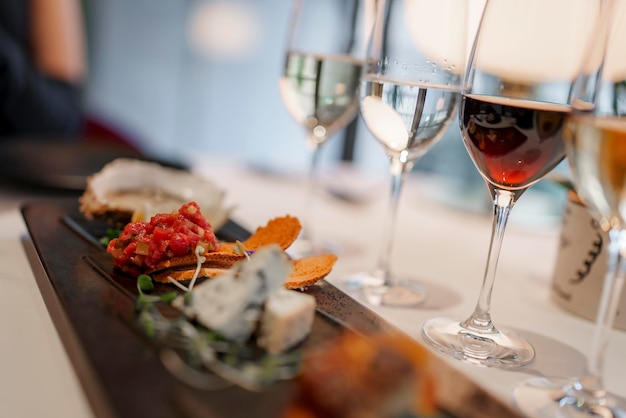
(181, 246)
(235, 294)
(142, 246)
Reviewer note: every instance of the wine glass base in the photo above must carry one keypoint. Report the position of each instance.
(540, 397)
(401, 294)
(503, 348)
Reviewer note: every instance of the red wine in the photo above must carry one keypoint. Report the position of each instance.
(513, 142)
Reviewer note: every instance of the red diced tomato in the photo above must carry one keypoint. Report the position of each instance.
(146, 244)
(134, 228)
(179, 244)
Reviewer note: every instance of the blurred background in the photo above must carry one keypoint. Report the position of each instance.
(192, 75)
(181, 77)
(202, 75)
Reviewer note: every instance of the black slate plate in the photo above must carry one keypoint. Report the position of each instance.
(121, 370)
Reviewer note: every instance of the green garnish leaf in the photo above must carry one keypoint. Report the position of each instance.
(146, 301)
(146, 321)
(144, 283)
(231, 358)
(111, 233)
(168, 297)
(214, 336)
(188, 298)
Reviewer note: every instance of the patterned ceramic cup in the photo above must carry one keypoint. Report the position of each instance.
(581, 264)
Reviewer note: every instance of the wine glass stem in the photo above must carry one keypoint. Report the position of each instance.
(314, 144)
(504, 200)
(400, 167)
(592, 382)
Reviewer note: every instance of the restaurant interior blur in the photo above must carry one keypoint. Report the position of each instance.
(186, 76)
(179, 78)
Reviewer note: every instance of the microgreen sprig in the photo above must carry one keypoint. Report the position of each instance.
(207, 350)
(111, 233)
(144, 301)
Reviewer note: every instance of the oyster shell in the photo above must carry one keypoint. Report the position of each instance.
(129, 189)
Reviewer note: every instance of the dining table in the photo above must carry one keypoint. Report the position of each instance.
(440, 245)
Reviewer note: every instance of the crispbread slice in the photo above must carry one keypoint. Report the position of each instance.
(215, 259)
(182, 275)
(281, 231)
(308, 270)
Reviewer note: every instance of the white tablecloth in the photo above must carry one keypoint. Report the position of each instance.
(442, 247)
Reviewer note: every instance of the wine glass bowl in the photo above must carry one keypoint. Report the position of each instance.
(408, 97)
(319, 82)
(319, 91)
(513, 152)
(512, 117)
(595, 143)
(407, 119)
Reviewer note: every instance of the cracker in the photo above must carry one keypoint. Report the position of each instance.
(182, 275)
(215, 259)
(308, 270)
(174, 262)
(214, 264)
(282, 231)
(222, 259)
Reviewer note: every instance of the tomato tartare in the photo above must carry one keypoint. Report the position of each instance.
(143, 245)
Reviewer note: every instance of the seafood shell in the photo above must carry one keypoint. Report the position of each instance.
(128, 189)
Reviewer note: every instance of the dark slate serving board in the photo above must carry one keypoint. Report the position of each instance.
(121, 370)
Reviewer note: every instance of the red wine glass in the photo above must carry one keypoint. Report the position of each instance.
(513, 110)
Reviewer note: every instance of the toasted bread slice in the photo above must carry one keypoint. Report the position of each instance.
(282, 231)
(308, 270)
(214, 259)
(187, 274)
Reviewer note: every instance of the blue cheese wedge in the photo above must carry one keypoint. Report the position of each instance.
(232, 304)
(286, 320)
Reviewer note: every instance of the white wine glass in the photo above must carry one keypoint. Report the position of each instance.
(595, 144)
(513, 108)
(409, 95)
(320, 79)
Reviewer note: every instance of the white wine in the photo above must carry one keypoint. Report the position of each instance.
(406, 117)
(596, 147)
(321, 91)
